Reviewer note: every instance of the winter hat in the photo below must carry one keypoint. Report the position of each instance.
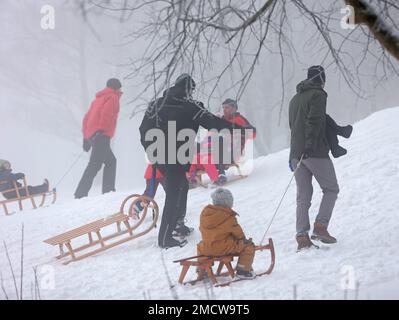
(114, 84)
(231, 102)
(3, 163)
(222, 197)
(185, 81)
(317, 74)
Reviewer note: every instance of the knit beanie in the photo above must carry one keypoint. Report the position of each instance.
(317, 74)
(231, 102)
(222, 197)
(114, 84)
(3, 163)
(185, 81)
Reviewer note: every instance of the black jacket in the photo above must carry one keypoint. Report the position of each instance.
(307, 117)
(187, 113)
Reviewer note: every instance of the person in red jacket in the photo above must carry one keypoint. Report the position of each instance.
(230, 114)
(99, 126)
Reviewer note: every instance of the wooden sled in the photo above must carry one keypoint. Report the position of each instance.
(28, 196)
(125, 228)
(204, 266)
(203, 184)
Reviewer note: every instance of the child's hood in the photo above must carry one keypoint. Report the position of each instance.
(213, 216)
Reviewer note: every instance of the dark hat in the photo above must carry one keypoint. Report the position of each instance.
(231, 102)
(185, 81)
(317, 74)
(114, 84)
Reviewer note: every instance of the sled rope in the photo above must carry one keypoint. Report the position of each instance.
(281, 200)
(69, 170)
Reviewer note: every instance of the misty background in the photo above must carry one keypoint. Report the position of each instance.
(49, 77)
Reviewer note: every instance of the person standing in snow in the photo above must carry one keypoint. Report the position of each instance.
(307, 120)
(99, 126)
(222, 234)
(177, 107)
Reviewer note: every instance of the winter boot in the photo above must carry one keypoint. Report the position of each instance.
(47, 184)
(345, 131)
(172, 242)
(320, 233)
(247, 275)
(182, 230)
(304, 242)
(338, 151)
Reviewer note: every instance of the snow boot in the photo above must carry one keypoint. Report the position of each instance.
(182, 230)
(338, 151)
(345, 131)
(304, 242)
(320, 233)
(172, 242)
(247, 275)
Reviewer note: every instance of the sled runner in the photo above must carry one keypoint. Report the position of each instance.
(230, 179)
(204, 266)
(18, 190)
(111, 231)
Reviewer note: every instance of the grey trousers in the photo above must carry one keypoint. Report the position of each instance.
(323, 171)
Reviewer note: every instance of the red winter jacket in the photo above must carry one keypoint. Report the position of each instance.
(103, 114)
(237, 118)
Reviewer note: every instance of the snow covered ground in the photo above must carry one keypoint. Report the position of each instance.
(365, 221)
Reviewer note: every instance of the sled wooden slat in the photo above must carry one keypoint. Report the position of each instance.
(93, 231)
(17, 190)
(86, 229)
(204, 265)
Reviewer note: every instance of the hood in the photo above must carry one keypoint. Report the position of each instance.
(107, 92)
(213, 216)
(174, 94)
(308, 85)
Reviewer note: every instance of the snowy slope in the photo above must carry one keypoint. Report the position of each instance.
(365, 221)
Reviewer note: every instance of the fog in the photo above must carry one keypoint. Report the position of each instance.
(49, 77)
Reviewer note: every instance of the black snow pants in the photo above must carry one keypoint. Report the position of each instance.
(101, 154)
(176, 189)
(43, 188)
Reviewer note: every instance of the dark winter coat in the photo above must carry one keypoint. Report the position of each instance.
(307, 119)
(187, 113)
(103, 114)
(7, 178)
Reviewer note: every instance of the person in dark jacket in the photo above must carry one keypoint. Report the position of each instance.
(176, 111)
(307, 120)
(99, 125)
(7, 179)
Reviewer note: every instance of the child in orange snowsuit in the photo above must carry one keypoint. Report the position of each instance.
(222, 235)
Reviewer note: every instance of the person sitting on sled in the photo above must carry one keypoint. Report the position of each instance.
(231, 114)
(7, 179)
(203, 160)
(222, 235)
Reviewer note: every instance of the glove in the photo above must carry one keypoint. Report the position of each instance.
(248, 241)
(86, 145)
(19, 176)
(291, 166)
